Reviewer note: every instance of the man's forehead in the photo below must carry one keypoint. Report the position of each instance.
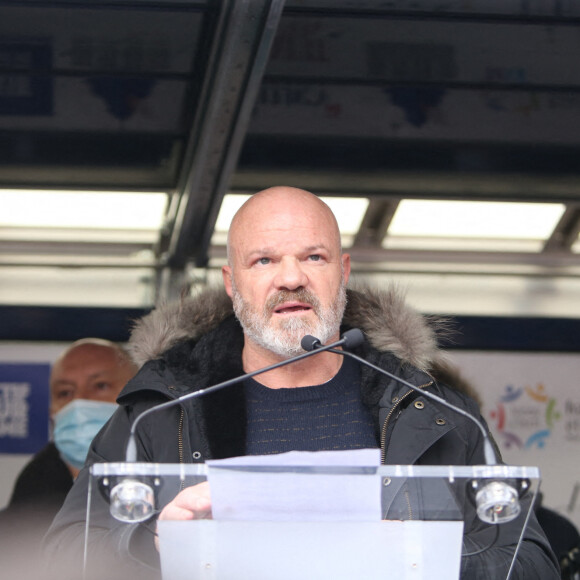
(286, 226)
(271, 232)
(62, 376)
(292, 247)
(281, 246)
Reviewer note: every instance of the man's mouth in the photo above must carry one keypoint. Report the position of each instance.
(291, 308)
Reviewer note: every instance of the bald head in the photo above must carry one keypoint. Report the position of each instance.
(279, 202)
(90, 368)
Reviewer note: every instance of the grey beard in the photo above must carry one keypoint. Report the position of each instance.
(285, 341)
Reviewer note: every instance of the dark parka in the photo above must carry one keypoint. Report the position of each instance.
(198, 342)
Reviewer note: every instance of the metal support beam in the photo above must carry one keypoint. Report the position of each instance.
(238, 57)
(566, 232)
(376, 222)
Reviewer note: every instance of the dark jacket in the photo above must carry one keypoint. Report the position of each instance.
(42, 485)
(198, 343)
(38, 494)
(564, 539)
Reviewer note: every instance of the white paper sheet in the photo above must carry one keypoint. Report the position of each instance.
(296, 486)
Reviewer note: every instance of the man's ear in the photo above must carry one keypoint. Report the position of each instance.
(346, 267)
(227, 277)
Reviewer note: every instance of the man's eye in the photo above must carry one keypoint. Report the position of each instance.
(102, 386)
(315, 257)
(263, 261)
(63, 395)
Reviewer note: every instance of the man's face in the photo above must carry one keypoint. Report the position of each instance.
(87, 372)
(287, 276)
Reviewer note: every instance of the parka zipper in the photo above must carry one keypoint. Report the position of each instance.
(179, 430)
(388, 418)
(384, 439)
(409, 508)
(180, 437)
(180, 445)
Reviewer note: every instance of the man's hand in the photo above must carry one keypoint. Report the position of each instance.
(193, 503)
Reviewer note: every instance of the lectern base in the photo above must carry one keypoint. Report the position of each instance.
(222, 550)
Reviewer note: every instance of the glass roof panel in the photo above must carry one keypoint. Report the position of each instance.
(82, 210)
(472, 225)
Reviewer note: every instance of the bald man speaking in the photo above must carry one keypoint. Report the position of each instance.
(286, 277)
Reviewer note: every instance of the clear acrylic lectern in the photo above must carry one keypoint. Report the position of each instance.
(417, 522)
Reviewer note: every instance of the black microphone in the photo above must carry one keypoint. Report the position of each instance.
(355, 337)
(350, 339)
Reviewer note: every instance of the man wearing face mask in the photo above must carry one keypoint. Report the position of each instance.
(84, 383)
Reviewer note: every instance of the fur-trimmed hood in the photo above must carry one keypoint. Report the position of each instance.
(387, 321)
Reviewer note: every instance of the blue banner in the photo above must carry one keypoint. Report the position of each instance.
(24, 407)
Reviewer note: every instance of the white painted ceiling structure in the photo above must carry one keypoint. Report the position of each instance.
(445, 135)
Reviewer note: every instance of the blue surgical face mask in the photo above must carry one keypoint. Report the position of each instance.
(76, 425)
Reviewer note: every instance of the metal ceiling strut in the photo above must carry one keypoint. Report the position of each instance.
(238, 57)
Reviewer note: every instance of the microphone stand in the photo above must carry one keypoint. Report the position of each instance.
(488, 450)
(496, 502)
(133, 500)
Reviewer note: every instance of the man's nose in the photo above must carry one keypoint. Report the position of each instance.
(290, 275)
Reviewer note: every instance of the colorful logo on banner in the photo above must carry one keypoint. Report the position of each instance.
(524, 417)
(24, 400)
